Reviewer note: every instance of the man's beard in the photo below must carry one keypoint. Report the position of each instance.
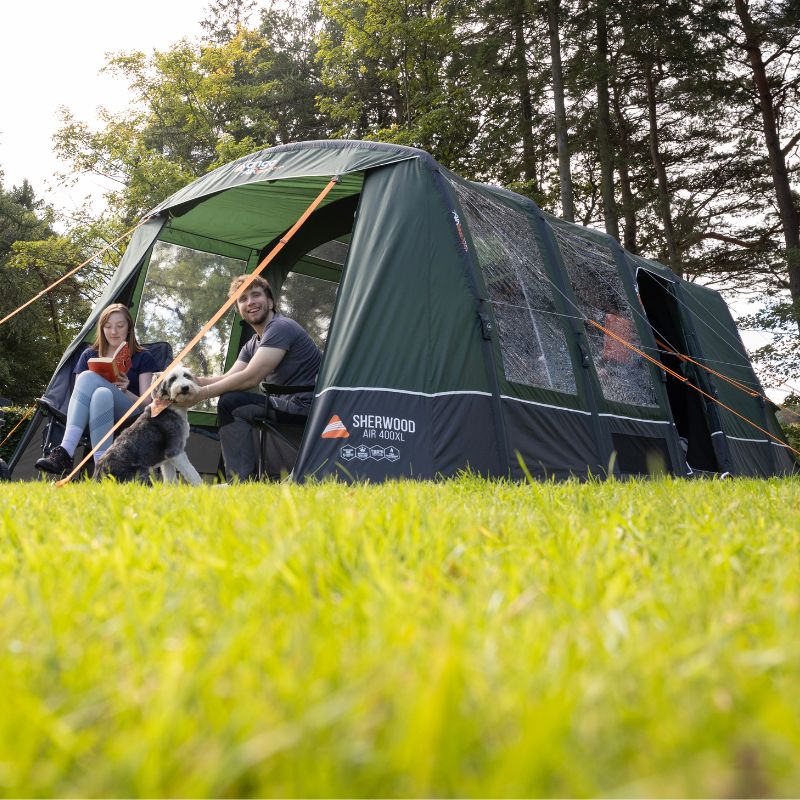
(260, 319)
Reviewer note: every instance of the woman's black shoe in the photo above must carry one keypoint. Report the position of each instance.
(57, 462)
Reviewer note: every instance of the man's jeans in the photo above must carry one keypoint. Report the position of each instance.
(237, 436)
(236, 412)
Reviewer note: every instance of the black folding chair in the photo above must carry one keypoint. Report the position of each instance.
(279, 433)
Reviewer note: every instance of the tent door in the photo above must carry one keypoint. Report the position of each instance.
(687, 405)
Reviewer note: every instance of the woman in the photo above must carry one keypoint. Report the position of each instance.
(94, 400)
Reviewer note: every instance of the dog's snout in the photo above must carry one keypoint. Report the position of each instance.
(184, 390)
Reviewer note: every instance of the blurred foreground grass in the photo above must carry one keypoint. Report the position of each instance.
(467, 639)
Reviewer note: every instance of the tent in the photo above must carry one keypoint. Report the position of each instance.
(463, 328)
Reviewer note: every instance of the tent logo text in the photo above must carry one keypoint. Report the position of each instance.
(379, 426)
(381, 421)
(257, 167)
(335, 429)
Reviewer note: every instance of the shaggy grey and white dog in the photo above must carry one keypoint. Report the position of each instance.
(158, 437)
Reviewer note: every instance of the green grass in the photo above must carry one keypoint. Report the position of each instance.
(466, 638)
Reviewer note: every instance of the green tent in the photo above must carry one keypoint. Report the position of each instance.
(462, 327)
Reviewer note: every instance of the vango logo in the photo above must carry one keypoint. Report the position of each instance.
(335, 429)
(257, 167)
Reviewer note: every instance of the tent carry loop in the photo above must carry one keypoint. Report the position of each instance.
(214, 319)
(72, 272)
(11, 432)
(685, 380)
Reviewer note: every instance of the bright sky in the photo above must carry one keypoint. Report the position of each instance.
(51, 54)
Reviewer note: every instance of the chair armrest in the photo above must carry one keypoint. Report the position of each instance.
(51, 410)
(274, 388)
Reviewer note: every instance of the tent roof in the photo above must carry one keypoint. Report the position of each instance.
(300, 160)
(228, 203)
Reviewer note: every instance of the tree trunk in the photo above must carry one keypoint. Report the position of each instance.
(780, 178)
(564, 175)
(524, 90)
(661, 175)
(604, 125)
(626, 153)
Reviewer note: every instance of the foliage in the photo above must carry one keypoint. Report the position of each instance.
(185, 289)
(12, 416)
(32, 256)
(196, 106)
(390, 73)
(404, 640)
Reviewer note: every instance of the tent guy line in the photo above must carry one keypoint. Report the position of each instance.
(73, 271)
(24, 417)
(688, 383)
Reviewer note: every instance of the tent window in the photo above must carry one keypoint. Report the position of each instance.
(532, 342)
(182, 291)
(309, 301)
(624, 376)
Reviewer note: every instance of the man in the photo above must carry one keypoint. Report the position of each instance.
(281, 352)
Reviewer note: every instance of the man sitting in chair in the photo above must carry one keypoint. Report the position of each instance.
(280, 352)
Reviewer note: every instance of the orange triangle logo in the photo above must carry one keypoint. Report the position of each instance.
(335, 429)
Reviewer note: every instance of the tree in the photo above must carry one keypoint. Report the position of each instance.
(225, 19)
(777, 89)
(564, 172)
(196, 106)
(390, 72)
(32, 256)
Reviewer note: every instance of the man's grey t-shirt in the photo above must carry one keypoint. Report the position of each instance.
(298, 367)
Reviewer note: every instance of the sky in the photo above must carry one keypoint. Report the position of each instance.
(51, 54)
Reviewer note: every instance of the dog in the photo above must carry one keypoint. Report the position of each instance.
(158, 436)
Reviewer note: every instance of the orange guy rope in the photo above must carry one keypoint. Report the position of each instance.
(11, 432)
(732, 381)
(689, 383)
(202, 332)
(70, 273)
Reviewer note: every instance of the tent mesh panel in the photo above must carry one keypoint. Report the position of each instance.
(182, 291)
(624, 376)
(532, 341)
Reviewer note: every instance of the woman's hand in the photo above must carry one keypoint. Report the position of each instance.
(122, 383)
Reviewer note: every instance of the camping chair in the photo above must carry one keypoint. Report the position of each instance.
(279, 439)
(53, 431)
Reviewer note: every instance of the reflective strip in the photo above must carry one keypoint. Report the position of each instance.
(757, 441)
(636, 419)
(545, 405)
(483, 394)
(398, 391)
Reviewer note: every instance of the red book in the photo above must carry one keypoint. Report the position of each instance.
(111, 367)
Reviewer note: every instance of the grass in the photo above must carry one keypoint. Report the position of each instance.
(460, 639)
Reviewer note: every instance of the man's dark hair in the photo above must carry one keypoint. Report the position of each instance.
(262, 283)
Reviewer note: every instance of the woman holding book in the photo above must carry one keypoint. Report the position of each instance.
(95, 400)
